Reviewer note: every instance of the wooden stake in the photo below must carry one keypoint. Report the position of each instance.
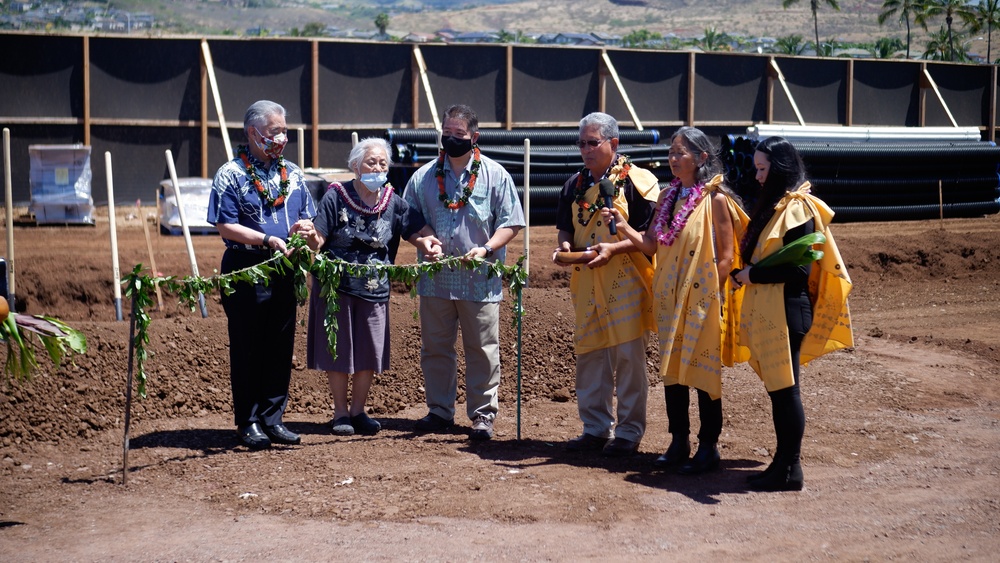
(113, 229)
(9, 197)
(152, 259)
(184, 226)
(941, 204)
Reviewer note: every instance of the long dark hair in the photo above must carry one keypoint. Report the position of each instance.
(787, 173)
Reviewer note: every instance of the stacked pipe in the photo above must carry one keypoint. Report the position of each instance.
(886, 181)
(554, 158)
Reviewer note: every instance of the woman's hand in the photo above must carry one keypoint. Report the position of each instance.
(604, 252)
(741, 277)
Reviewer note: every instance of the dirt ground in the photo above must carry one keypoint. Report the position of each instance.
(900, 455)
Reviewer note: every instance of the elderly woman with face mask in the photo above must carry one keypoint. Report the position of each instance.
(360, 222)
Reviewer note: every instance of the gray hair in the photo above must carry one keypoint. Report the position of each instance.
(698, 142)
(464, 113)
(365, 146)
(259, 111)
(606, 125)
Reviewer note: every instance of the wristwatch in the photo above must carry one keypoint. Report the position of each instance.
(489, 250)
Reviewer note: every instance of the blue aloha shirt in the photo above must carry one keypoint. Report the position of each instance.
(494, 204)
(235, 200)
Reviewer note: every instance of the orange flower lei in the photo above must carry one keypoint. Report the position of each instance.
(265, 194)
(624, 162)
(458, 203)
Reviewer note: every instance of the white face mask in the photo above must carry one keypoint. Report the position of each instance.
(374, 180)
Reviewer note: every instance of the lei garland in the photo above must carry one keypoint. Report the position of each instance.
(376, 209)
(619, 171)
(458, 203)
(141, 288)
(666, 215)
(265, 193)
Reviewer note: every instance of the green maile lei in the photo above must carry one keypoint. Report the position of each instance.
(302, 263)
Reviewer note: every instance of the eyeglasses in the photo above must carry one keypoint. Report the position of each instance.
(589, 143)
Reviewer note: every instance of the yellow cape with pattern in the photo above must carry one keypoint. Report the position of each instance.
(613, 303)
(697, 332)
(763, 328)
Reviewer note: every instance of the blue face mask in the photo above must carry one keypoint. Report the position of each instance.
(374, 180)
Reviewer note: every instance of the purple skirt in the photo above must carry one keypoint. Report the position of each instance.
(362, 335)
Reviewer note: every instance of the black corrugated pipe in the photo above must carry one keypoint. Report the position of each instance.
(904, 185)
(517, 136)
(918, 198)
(551, 178)
(896, 154)
(845, 214)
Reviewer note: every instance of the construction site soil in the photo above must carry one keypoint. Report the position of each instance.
(900, 455)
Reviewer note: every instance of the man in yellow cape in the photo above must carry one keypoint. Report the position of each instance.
(610, 292)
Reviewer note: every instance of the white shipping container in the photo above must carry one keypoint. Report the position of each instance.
(60, 174)
(194, 193)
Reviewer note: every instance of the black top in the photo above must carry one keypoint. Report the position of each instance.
(640, 210)
(795, 278)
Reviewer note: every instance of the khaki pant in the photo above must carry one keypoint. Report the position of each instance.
(440, 320)
(602, 373)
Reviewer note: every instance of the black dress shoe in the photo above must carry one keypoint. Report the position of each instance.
(586, 443)
(677, 453)
(620, 447)
(281, 435)
(253, 437)
(705, 459)
(434, 423)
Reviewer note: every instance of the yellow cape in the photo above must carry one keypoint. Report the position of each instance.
(763, 328)
(613, 304)
(696, 334)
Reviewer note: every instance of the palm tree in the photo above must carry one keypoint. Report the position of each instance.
(713, 40)
(789, 45)
(939, 46)
(988, 18)
(827, 48)
(905, 8)
(950, 9)
(382, 22)
(814, 6)
(640, 38)
(884, 47)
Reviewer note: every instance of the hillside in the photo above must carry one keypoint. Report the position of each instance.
(855, 22)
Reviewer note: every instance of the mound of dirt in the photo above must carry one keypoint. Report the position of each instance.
(899, 454)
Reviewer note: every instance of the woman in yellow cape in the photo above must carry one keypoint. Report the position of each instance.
(694, 234)
(791, 312)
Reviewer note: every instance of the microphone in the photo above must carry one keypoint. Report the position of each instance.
(607, 188)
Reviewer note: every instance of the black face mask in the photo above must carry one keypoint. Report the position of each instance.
(455, 147)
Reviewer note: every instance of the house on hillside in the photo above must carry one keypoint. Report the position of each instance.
(419, 37)
(585, 39)
(477, 37)
(607, 38)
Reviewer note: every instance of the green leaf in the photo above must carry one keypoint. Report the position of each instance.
(799, 252)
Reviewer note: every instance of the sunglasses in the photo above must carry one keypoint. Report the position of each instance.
(589, 143)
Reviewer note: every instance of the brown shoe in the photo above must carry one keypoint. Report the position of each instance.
(586, 443)
(620, 447)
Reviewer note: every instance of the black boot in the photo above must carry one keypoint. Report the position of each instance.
(785, 477)
(678, 453)
(774, 466)
(705, 459)
(677, 398)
